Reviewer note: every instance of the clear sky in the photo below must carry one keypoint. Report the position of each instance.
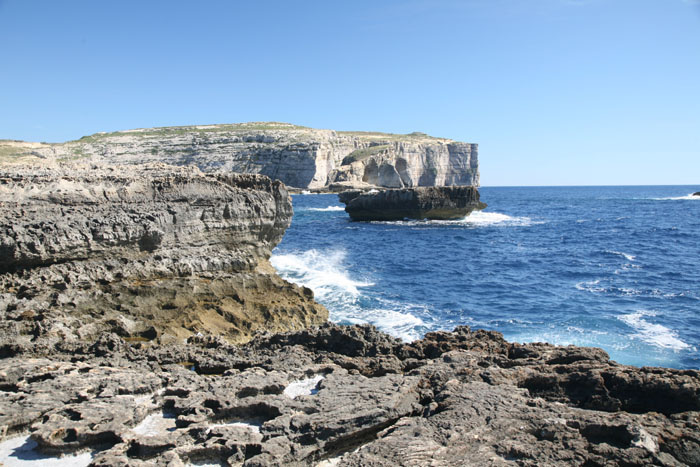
(556, 92)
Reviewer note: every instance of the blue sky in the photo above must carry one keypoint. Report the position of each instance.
(556, 92)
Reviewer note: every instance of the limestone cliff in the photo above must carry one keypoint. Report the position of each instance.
(298, 156)
(157, 251)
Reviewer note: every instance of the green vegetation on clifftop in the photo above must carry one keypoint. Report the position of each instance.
(362, 154)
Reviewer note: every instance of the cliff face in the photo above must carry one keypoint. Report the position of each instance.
(404, 164)
(157, 251)
(298, 156)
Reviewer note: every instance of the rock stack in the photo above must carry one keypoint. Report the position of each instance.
(443, 203)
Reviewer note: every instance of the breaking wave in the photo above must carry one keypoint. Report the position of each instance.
(689, 196)
(627, 256)
(327, 209)
(325, 272)
(475, 219)
(652, 333)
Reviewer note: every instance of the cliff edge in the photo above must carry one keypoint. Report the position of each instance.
(148, 252)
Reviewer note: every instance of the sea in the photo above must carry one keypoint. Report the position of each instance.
(616, 267)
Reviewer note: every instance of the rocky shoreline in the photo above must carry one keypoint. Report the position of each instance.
(141, 324)
(350, 395)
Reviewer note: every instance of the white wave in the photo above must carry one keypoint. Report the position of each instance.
(590, 286)
(322, 272)
(326, 209)
(570, 335)
(481, 219)
(403, 325)
(475, 219)
(652, 333)
(689, 196)
(627, 256)
(325, 273)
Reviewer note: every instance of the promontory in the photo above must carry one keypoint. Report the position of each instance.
(300, 157)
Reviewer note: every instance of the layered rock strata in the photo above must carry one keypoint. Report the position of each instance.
(443, 203)
(153, 251)
(350, 396)
(298, 156)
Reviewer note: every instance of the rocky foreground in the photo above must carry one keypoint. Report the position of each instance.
(354, 396)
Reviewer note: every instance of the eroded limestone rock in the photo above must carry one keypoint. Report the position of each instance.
(154, 252)
(298, 156)
(452, 398)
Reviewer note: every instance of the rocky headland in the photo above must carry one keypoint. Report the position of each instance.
(442, 203)
(141, 324)
(303, 158)
(153, 251)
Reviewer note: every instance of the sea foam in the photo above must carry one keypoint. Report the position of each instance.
(485, 219)
(475, 219)
(325, 272)
(303, 387)
(327, 209)
(321, 271)
(689, 196)
(627, 256)
(652, 333)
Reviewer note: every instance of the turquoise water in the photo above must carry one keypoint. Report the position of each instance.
(613, 267)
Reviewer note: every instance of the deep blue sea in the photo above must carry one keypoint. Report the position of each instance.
(612, 267)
